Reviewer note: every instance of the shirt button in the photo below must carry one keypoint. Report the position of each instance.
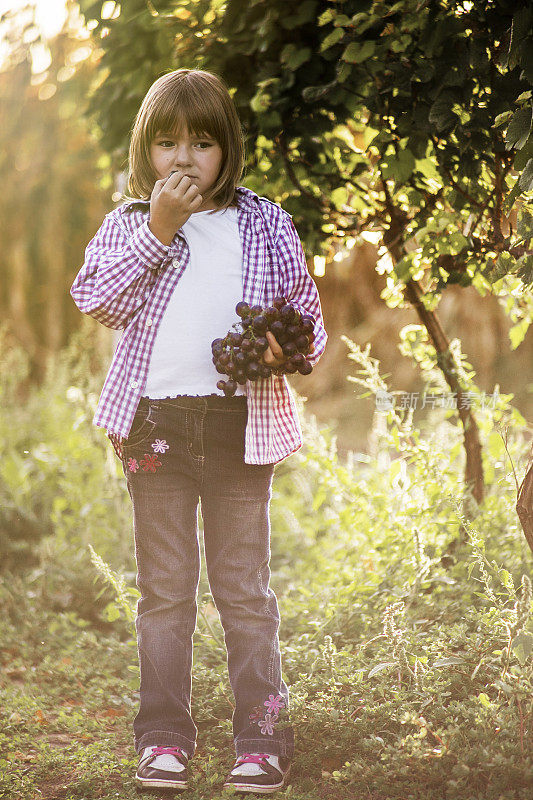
(134, 384)
(148, 322)
(175, 263)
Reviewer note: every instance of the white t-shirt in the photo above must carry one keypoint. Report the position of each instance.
(201, 308)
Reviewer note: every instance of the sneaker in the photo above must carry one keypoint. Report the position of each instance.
(162, 767)
(259, 772)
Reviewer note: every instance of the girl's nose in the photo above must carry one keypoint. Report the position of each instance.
(182, 155)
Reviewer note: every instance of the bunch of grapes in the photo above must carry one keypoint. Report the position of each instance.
(239, 353)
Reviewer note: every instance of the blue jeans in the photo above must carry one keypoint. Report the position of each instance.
(180, 450)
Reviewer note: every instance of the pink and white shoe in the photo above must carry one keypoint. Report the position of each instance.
(261, 773)
(162, 767)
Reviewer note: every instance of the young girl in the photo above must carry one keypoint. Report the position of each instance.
(168, 268)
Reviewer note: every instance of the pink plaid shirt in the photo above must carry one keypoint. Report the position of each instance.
(128, 278)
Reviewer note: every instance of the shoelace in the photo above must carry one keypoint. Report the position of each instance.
(161, 751)
(252, 758)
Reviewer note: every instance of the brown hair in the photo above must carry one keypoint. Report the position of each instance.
(200, 101)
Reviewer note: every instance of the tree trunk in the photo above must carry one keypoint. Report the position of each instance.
(474, 481)
(474, 466)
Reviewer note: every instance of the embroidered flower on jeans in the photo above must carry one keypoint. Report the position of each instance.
(274, 703)
(267, 724)
(159, 446)
(133, 465)
(150, 462)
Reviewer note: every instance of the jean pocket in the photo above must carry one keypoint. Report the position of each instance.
(141, 429)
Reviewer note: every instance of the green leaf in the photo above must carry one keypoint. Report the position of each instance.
(260, 102)
(511, 197)
(356, 52)
(519, 30)
(517, 333)
(501, 119)
(441, 114)
(399, 167)
(326, 16)
(525, 269)
(505, 263)
(519, 129)
(448, 662)
(294, 57)
(526, 178)
(522, 646)
(379, 667)
(312, 93)
(332, 39)
(524, 225)
(339, 197)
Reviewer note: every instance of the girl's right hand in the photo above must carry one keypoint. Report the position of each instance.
(172, 202)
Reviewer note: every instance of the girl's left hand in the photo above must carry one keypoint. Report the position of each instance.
(273, 355)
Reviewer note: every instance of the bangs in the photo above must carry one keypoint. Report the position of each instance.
(181, 109)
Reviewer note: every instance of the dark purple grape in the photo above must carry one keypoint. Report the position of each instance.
(307, 325)
(252, 370)
(277, 329)
(293, 331)
(247, 321)
(235, 338)
(271, 313)
(255, 310)
(311, 337)
(260, 324)
(302, 343)
(247, 345)
(289, 367)
(297, 317)
(230, 388)
(240, 376)
(310, 318)
(224, 357)
(242, 309)
(306, 368)
(221, 385)
(289, 349)
(287, 313)
(279, 301)
(220, 368)
(216, 343)
(261, 344)
(282, 336)
(264, 370)
(297, 359)
(230, 366)
(240, 358)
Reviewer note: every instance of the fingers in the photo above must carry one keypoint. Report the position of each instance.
(270, 360)
(176, 178)
(275, 347)
(158, 185)
(273, 355)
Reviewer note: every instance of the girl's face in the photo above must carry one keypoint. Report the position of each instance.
(199, 157)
